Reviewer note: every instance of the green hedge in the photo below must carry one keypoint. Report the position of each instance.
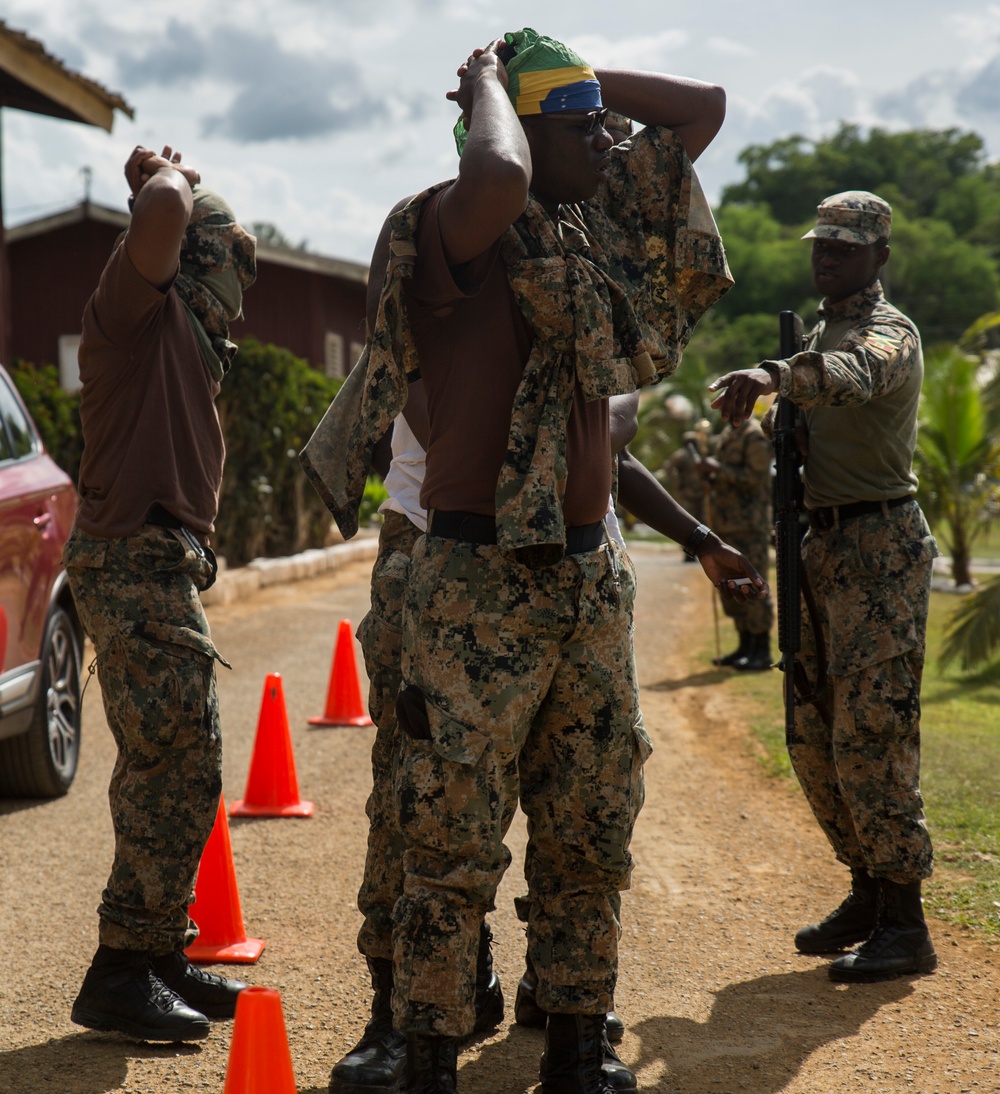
(55, 412)
(270, 403)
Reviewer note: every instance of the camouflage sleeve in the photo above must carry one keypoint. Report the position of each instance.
(872, 359)
(660, 241)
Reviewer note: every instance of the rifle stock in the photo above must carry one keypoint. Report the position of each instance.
(787, 534)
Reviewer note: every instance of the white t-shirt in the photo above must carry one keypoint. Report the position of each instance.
(405, 475)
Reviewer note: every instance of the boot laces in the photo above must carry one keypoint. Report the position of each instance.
(159, 994)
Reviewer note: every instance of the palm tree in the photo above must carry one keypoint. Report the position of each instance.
(972, 634)
(958, 455)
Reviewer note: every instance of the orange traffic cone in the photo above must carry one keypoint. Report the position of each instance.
(272, 788)
(259, 1060)
(216, 908)
(343, 698)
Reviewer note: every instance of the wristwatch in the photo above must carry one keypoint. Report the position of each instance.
(696, 539)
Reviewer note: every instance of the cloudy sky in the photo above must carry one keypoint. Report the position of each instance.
(316, 115)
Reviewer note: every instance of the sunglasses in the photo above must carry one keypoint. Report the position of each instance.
(589, 122)
(593, 120)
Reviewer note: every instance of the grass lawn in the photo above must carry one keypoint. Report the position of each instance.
(960, 771)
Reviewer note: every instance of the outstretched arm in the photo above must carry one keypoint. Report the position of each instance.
(494, 174)
(694, 110)
(161, 208)
(643, 496)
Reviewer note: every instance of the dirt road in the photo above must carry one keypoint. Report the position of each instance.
(729, 865)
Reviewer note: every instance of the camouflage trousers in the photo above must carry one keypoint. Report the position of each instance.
(139, 604)
(752, 616)
(870, 579)
(523, 688)
(381, 638)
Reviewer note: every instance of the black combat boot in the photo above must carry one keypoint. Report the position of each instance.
(489, 995)
(377, 1062)
(431, 1064)
(742, 650)
(574, 1060)
(528, 1013)
(122, 994)
(851, 923)
(215, 996)
(900, 945)
(758, 657)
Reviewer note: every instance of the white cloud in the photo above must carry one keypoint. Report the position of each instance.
(317, 116)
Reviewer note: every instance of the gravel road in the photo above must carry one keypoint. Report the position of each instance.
(729, 865)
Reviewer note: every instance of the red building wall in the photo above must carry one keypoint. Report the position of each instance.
(54, 272)
(51, 278)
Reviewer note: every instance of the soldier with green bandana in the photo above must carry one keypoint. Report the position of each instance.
(557, 270)
(153, 352)
(867, 557)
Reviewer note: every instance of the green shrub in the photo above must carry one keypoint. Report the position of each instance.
(375, 494)
(55, 412)
(270, 403)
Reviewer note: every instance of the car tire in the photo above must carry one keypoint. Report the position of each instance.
(42, 762)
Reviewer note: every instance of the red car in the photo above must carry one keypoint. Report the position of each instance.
(41, 640)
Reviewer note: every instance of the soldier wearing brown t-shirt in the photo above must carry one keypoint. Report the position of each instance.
(543, 280)
(153, 352)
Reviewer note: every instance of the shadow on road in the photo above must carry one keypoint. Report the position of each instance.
(759, 1034)
(756, 1039)
(695, 680)
(82, 1063)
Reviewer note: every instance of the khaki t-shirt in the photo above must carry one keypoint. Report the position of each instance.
(151, 431)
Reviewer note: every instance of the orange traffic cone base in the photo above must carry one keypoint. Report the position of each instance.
(236, 953)
(216, 909)
(272, 786)
(343, 698)
(259, 1060)
(296, 809)
(351, 720)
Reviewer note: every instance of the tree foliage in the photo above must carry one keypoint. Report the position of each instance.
(270, 403)
(958, 456)
(54, 411)
(913, 170)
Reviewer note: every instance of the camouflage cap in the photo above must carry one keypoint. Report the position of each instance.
(855, 216)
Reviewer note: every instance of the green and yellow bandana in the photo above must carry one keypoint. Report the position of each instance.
(543, 77)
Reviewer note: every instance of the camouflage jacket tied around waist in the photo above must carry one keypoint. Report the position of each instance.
(612, 292)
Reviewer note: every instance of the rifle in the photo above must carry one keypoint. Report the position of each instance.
(698, 459)
(792, 584)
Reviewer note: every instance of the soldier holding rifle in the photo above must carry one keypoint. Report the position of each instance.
(867, 559)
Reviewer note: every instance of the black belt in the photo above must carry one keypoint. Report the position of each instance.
(824, 518)
(162, 518)
(476, 528)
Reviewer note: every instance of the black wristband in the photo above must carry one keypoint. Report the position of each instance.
(696, 539)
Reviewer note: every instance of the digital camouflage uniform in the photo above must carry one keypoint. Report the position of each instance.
(151, 363)
(859, 382)
(684, 481)
(523, 653)
(158, 685)
(530, 685)
(381, 637)
(741, 512)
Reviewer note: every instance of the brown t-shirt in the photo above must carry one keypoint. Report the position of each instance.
(151, 431)
(473, 343)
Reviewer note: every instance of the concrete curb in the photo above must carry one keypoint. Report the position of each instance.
(232, 585)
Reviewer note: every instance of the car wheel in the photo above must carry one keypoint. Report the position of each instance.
(42, 762)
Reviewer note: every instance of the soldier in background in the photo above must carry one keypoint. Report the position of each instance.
(867, 556)
(739, 477)
(684, 481)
